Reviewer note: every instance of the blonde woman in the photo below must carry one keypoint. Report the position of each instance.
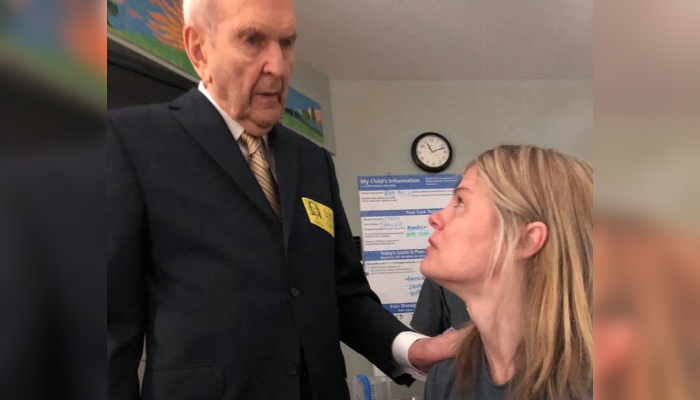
(515, 243)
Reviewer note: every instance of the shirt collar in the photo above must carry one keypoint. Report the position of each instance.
(235, 128)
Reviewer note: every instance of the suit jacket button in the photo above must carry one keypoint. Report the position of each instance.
(292, 369)
(295, 292)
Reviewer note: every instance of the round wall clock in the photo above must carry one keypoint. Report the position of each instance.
(431, 152)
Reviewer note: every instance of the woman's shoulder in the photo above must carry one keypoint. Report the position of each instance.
(441, 380)
(444, 367)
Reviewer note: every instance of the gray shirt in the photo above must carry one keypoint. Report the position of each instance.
(442, 385)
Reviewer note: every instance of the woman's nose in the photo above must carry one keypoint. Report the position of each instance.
(436, 220)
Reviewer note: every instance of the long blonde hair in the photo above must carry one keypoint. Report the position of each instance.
(528, 184)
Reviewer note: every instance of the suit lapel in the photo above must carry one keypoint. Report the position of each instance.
(284, 149)
(202, 120)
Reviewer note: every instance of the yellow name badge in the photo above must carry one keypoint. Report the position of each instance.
(319, 215)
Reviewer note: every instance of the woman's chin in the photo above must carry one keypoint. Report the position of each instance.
(434, 272)
(425, 270)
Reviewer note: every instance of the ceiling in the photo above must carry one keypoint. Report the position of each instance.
(447, 39)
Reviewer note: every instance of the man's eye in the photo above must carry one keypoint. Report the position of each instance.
(253, 40)
(286, 43)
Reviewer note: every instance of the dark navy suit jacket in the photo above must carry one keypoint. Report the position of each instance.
(227, 296)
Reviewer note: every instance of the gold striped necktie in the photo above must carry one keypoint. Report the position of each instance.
(261, 170)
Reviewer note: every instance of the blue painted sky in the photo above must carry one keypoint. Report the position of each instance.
(128, 23)
(298, 101)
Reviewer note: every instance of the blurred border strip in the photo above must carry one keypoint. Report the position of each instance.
(57, 71)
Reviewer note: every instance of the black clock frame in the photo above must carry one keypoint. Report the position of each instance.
(419, 163)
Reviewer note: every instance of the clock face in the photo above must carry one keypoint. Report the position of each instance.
(432, 152)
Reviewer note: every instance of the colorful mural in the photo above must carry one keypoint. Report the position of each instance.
(152, 25)
(303, 115)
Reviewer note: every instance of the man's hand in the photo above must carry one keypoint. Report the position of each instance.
(423, 353)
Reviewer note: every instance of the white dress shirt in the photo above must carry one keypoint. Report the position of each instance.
(237, 130)
(404, 340)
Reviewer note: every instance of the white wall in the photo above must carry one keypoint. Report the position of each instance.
(376, 121)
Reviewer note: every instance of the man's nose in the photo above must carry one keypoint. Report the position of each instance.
(275, 63)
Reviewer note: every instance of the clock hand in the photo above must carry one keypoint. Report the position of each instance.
(438, 149)
(431, 150)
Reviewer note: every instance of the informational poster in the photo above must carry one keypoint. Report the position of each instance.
(394, 211)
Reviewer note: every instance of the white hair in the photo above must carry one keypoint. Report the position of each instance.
(190, 9)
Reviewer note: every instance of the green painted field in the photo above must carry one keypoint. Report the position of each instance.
(301, 127)
(176, 57)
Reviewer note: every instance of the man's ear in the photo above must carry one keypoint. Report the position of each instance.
(195, 45)
(532, 238)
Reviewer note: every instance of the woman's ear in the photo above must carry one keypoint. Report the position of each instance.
(532, 239)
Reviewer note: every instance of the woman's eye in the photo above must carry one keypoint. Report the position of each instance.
(459, 202)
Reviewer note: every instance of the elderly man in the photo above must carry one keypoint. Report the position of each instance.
(239, 290)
